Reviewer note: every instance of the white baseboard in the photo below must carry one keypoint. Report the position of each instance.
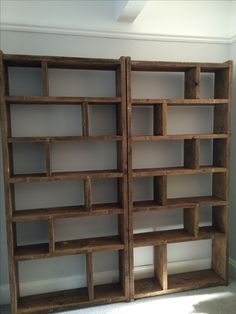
(110, 276)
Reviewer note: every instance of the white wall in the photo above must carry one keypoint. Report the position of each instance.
(29, 43)
(175, 18)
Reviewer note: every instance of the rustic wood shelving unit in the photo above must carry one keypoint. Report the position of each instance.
(128, 288)
(162, 283)
(92, 294)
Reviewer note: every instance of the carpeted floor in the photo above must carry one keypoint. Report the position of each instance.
(218, 300)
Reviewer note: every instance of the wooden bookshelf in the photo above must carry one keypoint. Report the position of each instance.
(162, 282)
(93, 294)
(123, 243)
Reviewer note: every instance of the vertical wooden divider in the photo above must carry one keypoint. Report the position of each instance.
(222, 151)
(192, 153)
(85, 118)
(191, 220)
(160, 119)
(8, 188)
(160, 189)
(88, 194)
(220, 256)
(219, 218)
(89, 269)
(51, 233)
(123, 219)
(45, 79)
(130, 178)
(192, 83)
(160, 265)
(48, 152)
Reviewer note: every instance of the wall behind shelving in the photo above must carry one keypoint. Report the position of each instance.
(46, 44)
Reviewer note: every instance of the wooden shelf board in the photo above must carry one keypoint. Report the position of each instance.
(175, 171)
(46, 139)
(161, 237)
(70, 247)
(147, 287)
(60, 176)
(193, 280)
(184, 202)
(68, 299)
(66, 212)
(177, 137)
(109, 292)
(61, 62)
(163, 66)
(179, 102)
(177, 282)
(172, 236)
(61, 100)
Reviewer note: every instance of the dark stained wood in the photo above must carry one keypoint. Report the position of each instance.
(193, 280)
(219, 188)
(175, 171)
(85, 119)
(70, 247)
(51, 236)
(8, 189)
(61, 62)
(176, 137)
(179, 102)
(160, 119)
(192, 83)
(220, 152)
(45, 81)
(61, 100)
(60, 176)
(88, 194)
(164, 66)
(182, 202)
(160, 189)
(220, 256)
(69, 299)
(160, 265)
(220, 217)
(89, 268)
(147, 288)
(192, 153)
(37, 139)
(127, 288)
(177, 282)
(66, 212)
(130, 177)
(48, 158)
(191, 220)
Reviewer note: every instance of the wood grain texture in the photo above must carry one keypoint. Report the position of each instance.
(8, 189)
(192, 83)
(192, 153)
(124, 242)
(160, 265)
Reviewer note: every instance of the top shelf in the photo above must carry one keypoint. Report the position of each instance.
(177, 66)
(61, 62)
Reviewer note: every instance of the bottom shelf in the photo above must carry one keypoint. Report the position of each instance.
(177, 282)
(69, 299)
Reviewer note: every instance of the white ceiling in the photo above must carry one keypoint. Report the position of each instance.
(196, 20)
